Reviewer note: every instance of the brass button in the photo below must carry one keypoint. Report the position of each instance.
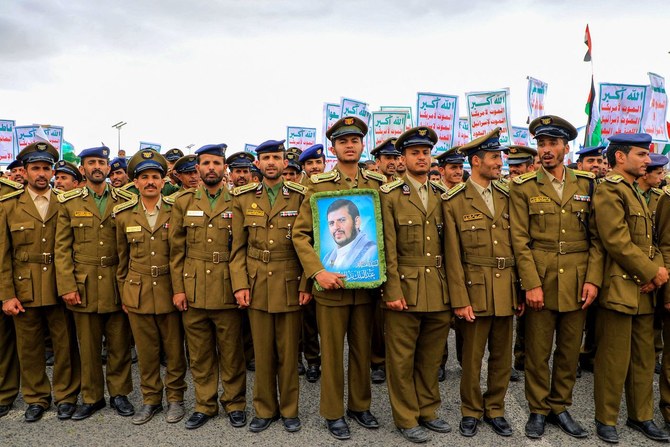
(102, 226)
(253, 224)
(469, 283)
(299, 278)
(428, 254)
(473, 227)
(209, 240)
(427, 270)
(102, 243)
(271, 241)
(427, 238)
(152, 238)
(497, 275)
(427, 223)
(401, 277)
(271, 226)
(639, 214)
(541, 211)
(269, 273)
(624, 276)
(191, 223)
(153, 253)
(44, 268)
(155, 283)
(99, 276)
(562, 230)
(44, 225)
(562, 211)
(560, 270)
(44, 240)
(409, 221)
(210, 225)
(209, 271)
(495, 242)
(81, 225)
(20, 277)
(493, 226)
(185, 275)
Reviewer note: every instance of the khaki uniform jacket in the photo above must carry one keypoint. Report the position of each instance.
(553, 239)
(625, 227)
(86, 256)
(26, 250)
(663, 232)
(303, 235)
(478, 250)
(144, 255)
(413, 246)
(263, 258)
(200, 239)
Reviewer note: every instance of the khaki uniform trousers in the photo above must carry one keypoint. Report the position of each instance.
(624, 359)
(414, 345)
(208, 331)
(497, 333)
(664, 380)
(276, 351)
(150, 333)
(309, 343)
(378, 352)
(544, 392)
(116, 329)
(9, 362)
(30, 330)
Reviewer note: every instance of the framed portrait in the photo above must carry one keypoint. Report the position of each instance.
(348, 236)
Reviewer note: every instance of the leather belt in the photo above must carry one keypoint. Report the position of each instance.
(214, 257)
(102, 261)
(267, 255)
(561, 247)
(34, 258)
(420, 261)
(153, 270)
(501, 263)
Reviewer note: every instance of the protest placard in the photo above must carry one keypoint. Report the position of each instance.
(520, 136)
(655, 123)
(300, 137)
(463, 133)
(621, 108)
(25, 135)
(408, 112)
(147, 145)
(386, 125)
(488, 110)
(331, 113)
(440, 113)
(537, 90)
(251, 148)
(7, 141)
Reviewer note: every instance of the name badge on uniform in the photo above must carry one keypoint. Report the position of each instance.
(253, 212)
(227, 215)
(581, 198)
(83, 214)
(474, 216)
(136, 229)
(288, 213)
(540, 199)
(195, 213)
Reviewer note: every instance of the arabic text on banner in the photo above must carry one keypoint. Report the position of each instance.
(387, 125)
(6, 141)
(300, 137)
(621, 108)
(488, 110)
(537, 90)
(331, 113)
(407, 110)
(251, 148)
(520, 136)
(440, 113)
(657, 109)
(463, 134)
(29, 134)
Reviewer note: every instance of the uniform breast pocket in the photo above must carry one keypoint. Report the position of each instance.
(132, 290)
(292, 288)
(637, 222)
(24, 286)
(285, 225)
(136, 242)
(83, 228)
(22, 233)
(541, 214)
(409, 228)
(476, 284)
(474, 233)
(253, 224)
(193, 226)
(580, 215)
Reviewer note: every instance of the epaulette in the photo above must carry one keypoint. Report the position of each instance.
(657, 191)
(438, 186)
(245, 188)
(69, 195)
(388, 187)
(125, 205)
(330, 176)
(9, 195)
(297, 187)
(616, 178)
(374, 175)
(123, 193)
(127, 186)
(501, 187)
(586, 174)
(666, 190)
(504, 180)
(12, 183)
(169, 199)
(453, 191)
(58, 192)
(525, 177)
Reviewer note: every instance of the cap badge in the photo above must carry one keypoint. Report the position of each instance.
(148, 154)
(423, 132)
(348, 121)
(41, 147)
(546, 120)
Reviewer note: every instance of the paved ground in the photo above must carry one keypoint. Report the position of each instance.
(106, 428)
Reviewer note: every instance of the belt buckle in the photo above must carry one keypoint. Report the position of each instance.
(47, 258)
(216, 258)
(502, 263)
(265, 256)
(438, 261)
(561, 250)
(154, 271)
(103, 261)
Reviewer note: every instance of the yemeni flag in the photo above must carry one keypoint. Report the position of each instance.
(592, 135)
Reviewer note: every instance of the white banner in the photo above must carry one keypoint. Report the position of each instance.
(488, 110)
(537, 90)
(26, 135)
(440, 113)
(7, 141)
(657, 110)
(621, 108)
(147, 145)
(407, 110)
(463, 134)
(386, 125)
(331, 113)
(520, 136)
(251, 148)
(300, 137)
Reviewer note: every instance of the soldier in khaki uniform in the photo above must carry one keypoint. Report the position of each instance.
(16, 172)
(118, 172)
(634, 268)
(560, 266)
(67, 176)
(86, 263)
(200, 238)
(416, 314)
(146, 289)
(28, 282)
(482, 282)
(185, 172)
(267, 280)
(663, 297)
(340, 312)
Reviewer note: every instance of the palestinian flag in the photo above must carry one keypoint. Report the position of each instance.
(592, 135)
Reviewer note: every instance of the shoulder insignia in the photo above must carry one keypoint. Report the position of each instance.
(586, 174)
(525, 177)
(388, 187)
(330, 176)
(245, 188)
(501, 187)
(127, 186)
(439, 186)
(69, 195)
(657, 191)
(124, 193)
(504, 180)
(9, 195)
(12, 183)
(454, 191)
(666, 189)
(297, 187)
(125, 205)
(616, 178)
(374, 175)
(58, 192)
(169, 199)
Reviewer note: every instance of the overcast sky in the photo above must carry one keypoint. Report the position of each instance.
(202, 72)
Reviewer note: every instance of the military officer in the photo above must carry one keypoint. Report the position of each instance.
(482, 282)
(186, 173)
(590, 159)
(313, 161)
(143, 275)
(28, 218)
(663, 234)
(450, 165)
(293, 171)
(634, 268)
(118, 173)
(520, 159)
(386, 157)
(168, 188)
(200, 237)
(560, 267)
(340, 312)
(86, 262)
(67, 176)
(171, 156)
(17, 172)
(239, 165)
(416, 310)
(267, 280)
